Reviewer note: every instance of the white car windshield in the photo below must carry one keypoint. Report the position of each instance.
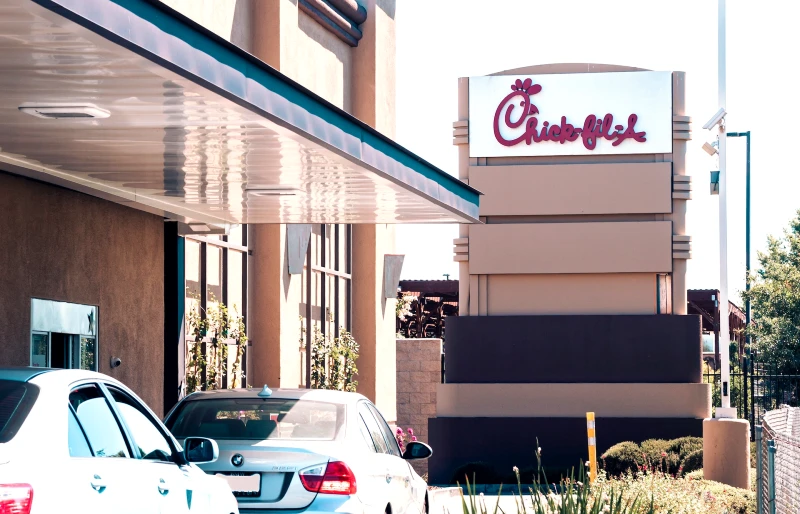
(259, 419)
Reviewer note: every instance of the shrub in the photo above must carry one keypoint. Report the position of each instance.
(639, 493)
(622, 458)
(685, 446)
(661, 456)
(693, 462)
(694, 475)
(653, 448)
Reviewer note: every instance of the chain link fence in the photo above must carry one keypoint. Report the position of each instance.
(778, 461)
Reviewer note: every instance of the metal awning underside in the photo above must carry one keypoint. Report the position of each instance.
(198, 129)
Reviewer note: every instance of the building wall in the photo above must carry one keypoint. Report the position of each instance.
(419, 374)
(229, 19)
(57, 244)
(361, 81)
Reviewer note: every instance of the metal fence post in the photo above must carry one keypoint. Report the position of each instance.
(759, 473)
(771, 471)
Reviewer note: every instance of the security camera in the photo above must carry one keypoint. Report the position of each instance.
(717, 118)
(115, 362)
(710, 150)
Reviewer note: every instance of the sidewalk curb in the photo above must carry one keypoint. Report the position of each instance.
(442, 494)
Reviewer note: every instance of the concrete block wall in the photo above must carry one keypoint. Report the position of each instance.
(419, 373)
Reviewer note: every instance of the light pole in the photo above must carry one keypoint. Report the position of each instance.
(725, 410)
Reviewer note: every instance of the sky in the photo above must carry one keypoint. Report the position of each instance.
(439, 41)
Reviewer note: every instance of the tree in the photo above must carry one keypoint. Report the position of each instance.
(775, 299)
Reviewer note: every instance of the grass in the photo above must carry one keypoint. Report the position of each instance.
(645, 492)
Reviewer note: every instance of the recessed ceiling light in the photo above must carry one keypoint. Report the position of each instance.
(272, 191)
(64, 111)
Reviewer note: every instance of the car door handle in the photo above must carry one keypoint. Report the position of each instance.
(162, 486)
(98, 484)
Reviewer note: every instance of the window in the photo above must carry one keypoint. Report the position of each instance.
(362, 427)
(150, 442)
(373, 427)
(78, 445)
(257, 419)
(394, 449)
(16, 400)
(216, 271)
(99, 423)
(327, 284)
(63, 335)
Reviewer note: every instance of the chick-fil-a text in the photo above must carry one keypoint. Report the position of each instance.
(594, 127)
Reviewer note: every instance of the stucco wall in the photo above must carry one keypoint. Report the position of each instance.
(360, 80)
(602, 293)
(419, 373)
(230, 19)
(61, 245)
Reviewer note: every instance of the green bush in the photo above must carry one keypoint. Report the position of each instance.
(622, 458)
(663, 455)
(685, 446)
(652, 448)
(693, 462)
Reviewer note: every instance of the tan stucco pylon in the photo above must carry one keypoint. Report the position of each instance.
(373, 314)
(726, 451)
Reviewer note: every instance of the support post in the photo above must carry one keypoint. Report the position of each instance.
(592, 439)
(759, 472)
(724, 329)
(174, 314)
(771, 471)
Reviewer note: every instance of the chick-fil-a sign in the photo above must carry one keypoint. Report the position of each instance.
(578, 114)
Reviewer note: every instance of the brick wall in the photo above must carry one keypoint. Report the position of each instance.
(419, 372)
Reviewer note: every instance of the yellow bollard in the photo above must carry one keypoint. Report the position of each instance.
(592, 446)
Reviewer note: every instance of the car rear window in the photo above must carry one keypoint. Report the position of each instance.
(258, 419)
(16, 400)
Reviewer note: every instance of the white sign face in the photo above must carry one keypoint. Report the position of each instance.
(570, 114)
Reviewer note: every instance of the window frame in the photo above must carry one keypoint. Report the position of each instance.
(364, 404)
(391, 441)
(341, 269)
(48, 332)
(126, 438)
(74, 416)
(145, 412)
(226, 248)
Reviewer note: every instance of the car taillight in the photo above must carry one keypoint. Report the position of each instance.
(334, 478)
(15, 498)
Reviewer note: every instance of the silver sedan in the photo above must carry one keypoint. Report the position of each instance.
(304, 450)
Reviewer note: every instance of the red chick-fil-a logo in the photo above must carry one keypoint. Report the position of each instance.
(593, 129)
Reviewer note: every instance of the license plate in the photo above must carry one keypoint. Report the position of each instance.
(243, 484)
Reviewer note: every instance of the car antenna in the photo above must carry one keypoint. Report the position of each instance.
(265, 392)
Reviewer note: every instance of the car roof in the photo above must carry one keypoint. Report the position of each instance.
(323, 395)
(22, 374)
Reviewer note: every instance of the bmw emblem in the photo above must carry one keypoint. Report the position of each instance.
(237, 460)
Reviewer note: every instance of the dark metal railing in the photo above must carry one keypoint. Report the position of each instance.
(755, 390)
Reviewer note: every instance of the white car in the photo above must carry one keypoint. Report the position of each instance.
(300, 450)
(78, 441)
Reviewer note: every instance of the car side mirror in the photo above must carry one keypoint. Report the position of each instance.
(416, 450)
(200, 450)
